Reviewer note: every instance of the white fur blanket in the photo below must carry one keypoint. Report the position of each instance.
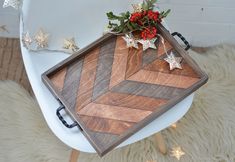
(206, 133)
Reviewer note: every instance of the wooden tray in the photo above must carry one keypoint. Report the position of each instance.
(113, 91)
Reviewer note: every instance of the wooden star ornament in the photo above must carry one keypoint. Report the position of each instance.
(148, 43)
(130, 41)
(41, 39)
(12, 3)
(70, 44)
(177, 152)
(174, 62)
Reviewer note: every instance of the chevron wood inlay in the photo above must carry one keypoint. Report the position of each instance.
(130, 101)
(113, 91)
(58, 79)
(106, 125)
(159, 78)
(87, 79)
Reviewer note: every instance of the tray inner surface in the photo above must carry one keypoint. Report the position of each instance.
(112, 88)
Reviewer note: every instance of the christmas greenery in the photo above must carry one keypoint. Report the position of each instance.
(144, 19)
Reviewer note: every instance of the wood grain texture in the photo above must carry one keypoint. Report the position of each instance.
(147, 90)
(106, 125)
(117, 90)
(104, 68)
(119, 63)
(130, 101)
(11, 63)
(172, 80)
(71, 82)
(87, 79)
(58, 79)
(134, 61)
(114, 112)
(160, 49)
(160, 65)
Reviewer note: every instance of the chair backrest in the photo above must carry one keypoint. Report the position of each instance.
(83, 19)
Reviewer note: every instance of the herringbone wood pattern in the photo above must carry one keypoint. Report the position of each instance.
(112, 88)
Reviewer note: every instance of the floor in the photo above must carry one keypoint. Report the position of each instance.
(11, 64)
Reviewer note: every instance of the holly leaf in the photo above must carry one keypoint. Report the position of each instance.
(111, 16)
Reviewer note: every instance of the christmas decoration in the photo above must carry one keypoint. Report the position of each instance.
(143, 20)
(177, 152)
(3, 28)
(142, 23)
(41, 39)
(26, 40)
(148, 43)
(173, 61)
(137, 7)
(12, 3)
(70, 44)
(130, 41)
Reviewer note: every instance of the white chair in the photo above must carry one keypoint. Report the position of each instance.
(84, 20)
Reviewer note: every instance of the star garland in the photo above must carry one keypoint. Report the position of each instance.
(12, 3)
(41, 38)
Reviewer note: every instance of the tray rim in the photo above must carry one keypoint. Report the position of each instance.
(165, 33)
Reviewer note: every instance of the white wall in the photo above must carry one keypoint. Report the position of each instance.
(202, 22)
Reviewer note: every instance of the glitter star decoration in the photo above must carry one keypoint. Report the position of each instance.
(12, 3)
(26, 40)
(137, 7)
(130, 41)
(174, 62)
(70, 44)
(41, 39)
(177, 152)
(148, 43)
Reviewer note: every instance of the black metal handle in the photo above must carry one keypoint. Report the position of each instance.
(62, 119)
(183, 39)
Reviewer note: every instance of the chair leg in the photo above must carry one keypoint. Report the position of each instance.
(160, 143)
(74, 156)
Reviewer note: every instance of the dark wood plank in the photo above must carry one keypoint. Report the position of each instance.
(87, 79)
(104, 68)
(71, 83)
(172, 80)
(104, 141)
(105, 125)
(149, 56)
(147, 90)
(130, 101)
